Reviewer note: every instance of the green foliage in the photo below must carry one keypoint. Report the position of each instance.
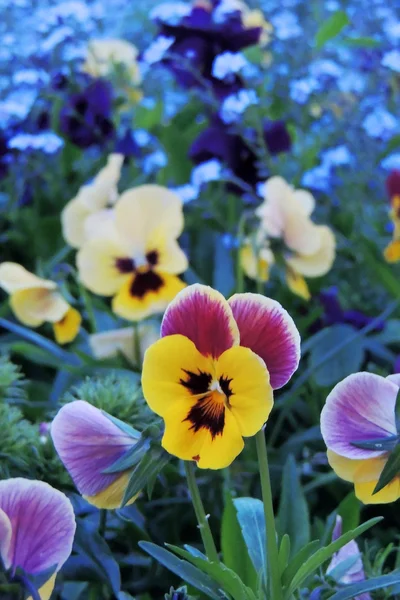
(20, 444)
(331, 28)
(11, 381)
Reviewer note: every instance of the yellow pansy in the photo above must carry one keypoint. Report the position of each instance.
(256, 265)
(104, 55)
(137, 257)
(91, 199)
(130, 341)
(35, 301)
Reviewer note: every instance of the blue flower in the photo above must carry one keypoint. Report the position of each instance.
(46, 141)
(380, 123)
(392, 60)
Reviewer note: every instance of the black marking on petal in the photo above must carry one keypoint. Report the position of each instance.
(196, 383)
(207, 414)
(146, 282)
(125, 265)
(152, 258)
(225, 382)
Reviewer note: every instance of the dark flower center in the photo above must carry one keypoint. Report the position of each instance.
(149, 281)
(125, 265)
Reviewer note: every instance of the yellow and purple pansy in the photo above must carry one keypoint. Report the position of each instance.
(37, 528)
(35, 301)
(137, 258)
(88, 442)
(392, 250)
(360, 410)
(211, 375)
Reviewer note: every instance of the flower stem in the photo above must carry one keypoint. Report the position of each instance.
(103, 522)
(205, 531)
(272, 561)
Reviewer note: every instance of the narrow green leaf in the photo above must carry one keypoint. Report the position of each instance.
(293, 517)
(349, 509)
(331, 28)
(250, 513)
(183, 569)
(234, 550)
(130, 458)
(96, 550)
(323, 554)
(386, 443)
(362, 42)
(151, 464)
(229, 580)
(133, 433)
(375, 583)
(284, 552)
(390, 470)
(298, 560)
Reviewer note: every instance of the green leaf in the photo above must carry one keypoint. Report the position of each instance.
(224, 272)
(284, 553)
(331, 28)
(250, 514)
(390, 470)
(346, 360)
(151, 464)
(234, 550)
(362, 42)
(297, 561)
(128, 429)
(375, 583)
(380, 444)
(392, 145)
(293, 517)
(96, 550)
(324, 554)
(349, 509)
(183, 569)
(229, 580)
(130, 458)
(382, 271)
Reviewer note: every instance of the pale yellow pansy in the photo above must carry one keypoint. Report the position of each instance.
(103, 55)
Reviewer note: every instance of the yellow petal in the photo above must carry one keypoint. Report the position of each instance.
(167, 362)
(171, 258)
(302, 235)
(112, 496)
(297, 284)
(252, 397)
(67, 328)
(108, 343)
(390, 493)
(37, 305)
(392, 252)
(73, 218)
(256, 268)
(14, 277)
(102, 191)
(46, 590)
(148, 214)
(317, 264)
(96, 262)
(344, 467)
(305, 201)
(100, 224)
(103, 55)
(152, 299)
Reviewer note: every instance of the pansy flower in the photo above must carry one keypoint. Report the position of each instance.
(392, 251)
(103, 55)
(35, 301)
(131, 342)
(349, 554)
(88, 442)
(136, 258)
(91, 198)
(37, 528)
(211, 375)
(308, 249)
(359, 411)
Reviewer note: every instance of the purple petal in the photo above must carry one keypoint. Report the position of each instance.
(359, 408)
(42, 525)
(88, 442)
(268, 330)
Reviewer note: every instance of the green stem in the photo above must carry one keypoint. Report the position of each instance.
(88, 305)
(103, 522)
(204, 526)
(239, 268)
(272, 552)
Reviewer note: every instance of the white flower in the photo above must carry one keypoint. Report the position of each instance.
(157, 49)
(228, 63)
(104, 54)
(392, 60)
(236, 104)
(207, 171)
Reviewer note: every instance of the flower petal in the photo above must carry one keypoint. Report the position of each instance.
(297, 284)
(317, 264)
(14, 277)
(147, 214)
(96, 262)
(166, 363)
(34, 306)
(73, 219)
(107, 344)
(305, 201)
(146, 294)
(67, 328)
(256, 267)
(47, 589)
(359, 408)
(392, 252)
(345, 468)
(204, 316)
(171, 258)
(251, 398)
(42, 521)
(390, 493)
(301, 234)
(268, 330)
(5, 539)
(111, 497)
(88, 442)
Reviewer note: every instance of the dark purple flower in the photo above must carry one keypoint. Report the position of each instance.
(86, 117)
(393, 184)
(334, 313)
(127, 145)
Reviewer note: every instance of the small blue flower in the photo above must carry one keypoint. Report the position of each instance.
(301, 89)
(392, 60)
(230, 63)
(286, 25)
(336, 157)
(380, 124)
(318, 178)
(46, 141)
(210, 170)
(170, 12)
(157, 49)
(187, 192)
(391, 162)
(155, 161)
(235, 105)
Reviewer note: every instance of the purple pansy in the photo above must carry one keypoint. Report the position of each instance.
(37, 527)
(334, 313)
(88, 442)
(351, 554)
(85, 119)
